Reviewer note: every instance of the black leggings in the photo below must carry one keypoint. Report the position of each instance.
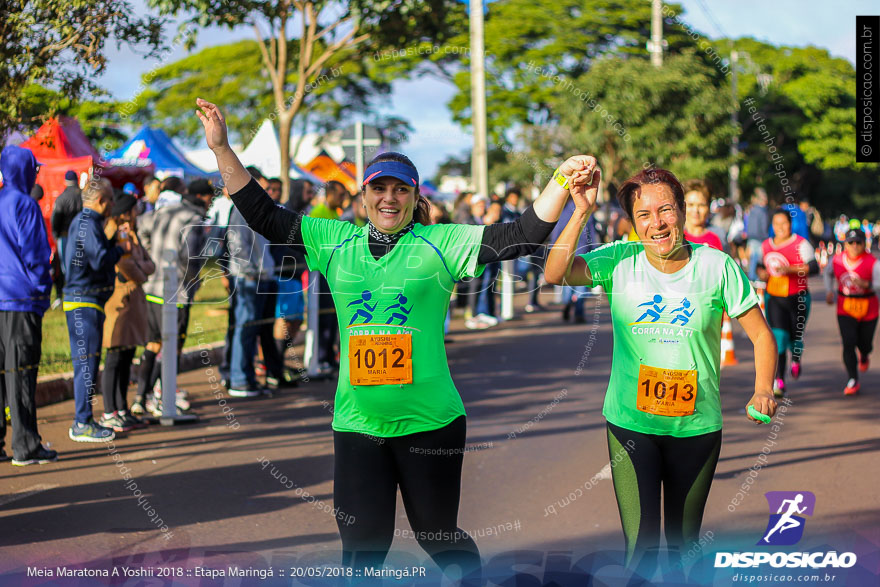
(114, 382)
(856, 334)
(640, 463)
(427, 468)
(787, 318)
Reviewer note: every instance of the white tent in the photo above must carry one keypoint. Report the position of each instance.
(264, 152)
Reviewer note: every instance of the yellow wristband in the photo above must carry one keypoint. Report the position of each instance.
(560, 179)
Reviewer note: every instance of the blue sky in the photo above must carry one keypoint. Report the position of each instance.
(830, 25)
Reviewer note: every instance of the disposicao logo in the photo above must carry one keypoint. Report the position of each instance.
(786, 525)
(785, 528)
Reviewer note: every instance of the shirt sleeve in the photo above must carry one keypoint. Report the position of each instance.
(738, 294)
(509, 240)
(34, 249)
(322, 237)
(276, 223)
(602, 261)
(460, 246)
(806, 251)
(103, 254)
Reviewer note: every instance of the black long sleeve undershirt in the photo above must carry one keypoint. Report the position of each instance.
(282, 226)
(515, 239)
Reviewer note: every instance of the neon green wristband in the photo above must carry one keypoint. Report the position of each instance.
(764, 418)
(560, 179)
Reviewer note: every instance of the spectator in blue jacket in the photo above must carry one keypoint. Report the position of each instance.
(24, 297)
(90, 271)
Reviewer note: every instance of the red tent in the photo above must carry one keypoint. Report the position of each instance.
(61, 145)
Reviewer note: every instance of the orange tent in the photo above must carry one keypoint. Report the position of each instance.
(328, 170)
(350, 167)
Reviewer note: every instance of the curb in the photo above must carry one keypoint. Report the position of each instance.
(52, 389)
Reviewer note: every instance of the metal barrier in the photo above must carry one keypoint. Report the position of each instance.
(169, 416)
(507, 284)
(310, 354)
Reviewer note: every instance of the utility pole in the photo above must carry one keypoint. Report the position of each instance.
(359, 142)
(733, 172)
(655, 45)
(479, 156)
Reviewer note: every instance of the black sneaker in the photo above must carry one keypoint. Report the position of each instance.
(133, 421)
(90, 432)
(249, 390)
(3, 455)
(41, 456)
(281, 382)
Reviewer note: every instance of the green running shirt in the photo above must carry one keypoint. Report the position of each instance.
(667, 321)
(405, 291)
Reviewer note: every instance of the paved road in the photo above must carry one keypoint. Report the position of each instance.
(537, 495)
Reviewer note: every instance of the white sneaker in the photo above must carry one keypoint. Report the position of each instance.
(487, 319)
(475, 324)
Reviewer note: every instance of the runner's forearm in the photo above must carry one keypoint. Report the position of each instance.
(557, 270)
(278, 224)
(509, 240)
(548, 206)
(234, 174)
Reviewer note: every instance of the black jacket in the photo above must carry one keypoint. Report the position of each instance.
(67, 205)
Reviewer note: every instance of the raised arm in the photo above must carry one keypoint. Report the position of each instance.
(563, 266)
(274, 222)
(524, 236)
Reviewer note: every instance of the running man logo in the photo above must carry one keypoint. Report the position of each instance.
(679, 313)
(364, 311)
(786, 526)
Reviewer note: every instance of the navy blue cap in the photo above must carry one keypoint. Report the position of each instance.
(401, 171)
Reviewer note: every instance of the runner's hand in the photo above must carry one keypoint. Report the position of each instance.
(763, 402)
(576, 164)
(584, 194)
(583, 176)
(214, 123)
(829, 298)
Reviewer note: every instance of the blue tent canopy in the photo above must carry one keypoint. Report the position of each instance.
(153, 145)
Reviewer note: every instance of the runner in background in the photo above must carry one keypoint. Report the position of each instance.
(697, 199)
(787, 261)
(858, 274)
(663, 404)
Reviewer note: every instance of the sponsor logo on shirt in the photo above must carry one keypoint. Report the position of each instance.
(394, 311)
(667, 318)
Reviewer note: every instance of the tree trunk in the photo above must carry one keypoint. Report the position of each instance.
(285, 122)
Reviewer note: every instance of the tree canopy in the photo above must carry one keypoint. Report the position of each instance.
(62, 45)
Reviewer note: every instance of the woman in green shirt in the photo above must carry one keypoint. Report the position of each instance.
(663, 407)
(398, 420)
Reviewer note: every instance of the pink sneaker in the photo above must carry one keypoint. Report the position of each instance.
(795, 369)
(779, 387)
